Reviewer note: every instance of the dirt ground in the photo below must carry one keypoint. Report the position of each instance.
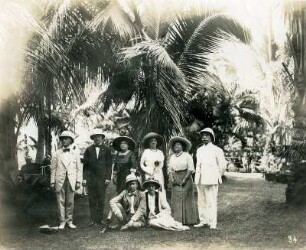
(252, 215)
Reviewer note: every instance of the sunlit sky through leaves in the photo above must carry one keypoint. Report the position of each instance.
(262, 17)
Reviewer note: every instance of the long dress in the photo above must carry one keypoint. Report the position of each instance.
(152, 162)
(183, 202)
(122, 167)
(158, 213)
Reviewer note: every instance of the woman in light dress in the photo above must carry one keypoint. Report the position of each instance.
(158, 212)
(152, 159)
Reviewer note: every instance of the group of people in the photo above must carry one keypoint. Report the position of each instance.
(141, 197)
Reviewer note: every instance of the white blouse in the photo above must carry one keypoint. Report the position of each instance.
(179, 163)
(152, 161)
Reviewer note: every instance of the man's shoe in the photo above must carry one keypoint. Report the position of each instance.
(115, 226)
(71, 225)
(124, 227)
(62, 225)
(214, 228)
(201, 224)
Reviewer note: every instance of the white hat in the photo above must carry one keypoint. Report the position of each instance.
(209, 131)
(97, 131)
(132, 177)
(67, 133)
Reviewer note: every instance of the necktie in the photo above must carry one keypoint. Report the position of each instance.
(66, 150)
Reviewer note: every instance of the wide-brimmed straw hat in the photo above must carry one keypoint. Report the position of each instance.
(208, 131)
(151, 181)
(95, 132)
(185, 142)
(117, 141)
(147, 137)
(67, 133)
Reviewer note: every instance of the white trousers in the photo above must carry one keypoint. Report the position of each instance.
(207, 204)
(65, 202)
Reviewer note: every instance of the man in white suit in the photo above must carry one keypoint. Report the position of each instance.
(210, 165)
(66, 178)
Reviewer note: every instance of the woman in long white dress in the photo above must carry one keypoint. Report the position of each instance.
(158, 212)
(152, 159)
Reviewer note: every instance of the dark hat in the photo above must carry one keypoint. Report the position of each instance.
(97, 131)
(186, 143)
(151, 181)
(147, 137)
(129, 140)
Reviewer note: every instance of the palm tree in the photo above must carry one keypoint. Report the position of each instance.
(295, 21)
(229, 109)
(165, 62)
(62, 58)
(155, 58)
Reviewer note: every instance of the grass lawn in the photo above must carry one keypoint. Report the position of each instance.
(252, 215)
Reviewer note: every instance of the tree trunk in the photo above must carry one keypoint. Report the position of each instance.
(8, 137)
(41, 125)
(48, 120)
(296, 19)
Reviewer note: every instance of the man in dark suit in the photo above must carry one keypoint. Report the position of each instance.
(97, 175)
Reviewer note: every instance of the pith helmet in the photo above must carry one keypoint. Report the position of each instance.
(209, 131)
(67, 133)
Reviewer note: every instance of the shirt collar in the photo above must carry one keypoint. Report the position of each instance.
(132, 193)
(156, 192)
(71, 147)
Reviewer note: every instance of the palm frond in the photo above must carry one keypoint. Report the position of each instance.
(156, 52)
(120, 19)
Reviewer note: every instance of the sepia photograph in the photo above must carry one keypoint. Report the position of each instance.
(153, 124)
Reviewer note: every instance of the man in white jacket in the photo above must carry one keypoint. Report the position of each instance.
(66, 178)
(210, 165)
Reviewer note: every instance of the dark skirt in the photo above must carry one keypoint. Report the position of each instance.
(183, 202)
(120, 186)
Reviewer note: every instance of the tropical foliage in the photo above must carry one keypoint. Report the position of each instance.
(155, 58)
(152, 57)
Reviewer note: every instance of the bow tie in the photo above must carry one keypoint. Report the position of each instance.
(132, 193)
(66, 149)
(98, 146)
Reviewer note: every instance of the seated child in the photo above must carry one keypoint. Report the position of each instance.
(158, 212)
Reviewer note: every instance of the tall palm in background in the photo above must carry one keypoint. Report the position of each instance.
(267, 77)
(295, 21)
(229, 109)
(166, 64)
(154, 57)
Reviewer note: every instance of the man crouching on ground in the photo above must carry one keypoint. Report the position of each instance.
(129, 206)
